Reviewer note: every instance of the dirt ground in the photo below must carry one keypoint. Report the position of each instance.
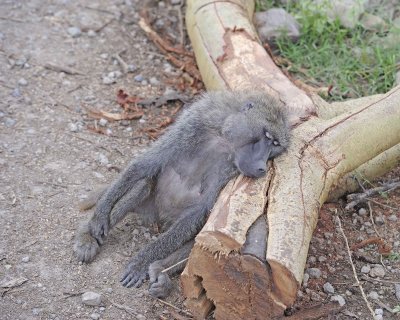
(52, 154)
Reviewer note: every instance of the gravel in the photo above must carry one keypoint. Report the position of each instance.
(74, 32)
(339, 299)
(328, 288)
(314, 272)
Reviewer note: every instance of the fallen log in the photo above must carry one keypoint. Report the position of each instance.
(229, 268)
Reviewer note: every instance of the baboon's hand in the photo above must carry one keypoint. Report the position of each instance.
(162, 287)
(99, 226)
(135, 273)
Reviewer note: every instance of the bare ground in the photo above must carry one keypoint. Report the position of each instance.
(50, 158)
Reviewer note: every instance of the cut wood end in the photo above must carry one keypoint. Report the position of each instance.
(285, 284)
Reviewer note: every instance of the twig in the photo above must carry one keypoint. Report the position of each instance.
(163, 45)
(381, 204)
(176, 264)
(180, 17)
(366, 278)
(12, 19)
(371, 217)
(356, 198)
(354, 269)
(174, 307)
(64, 69)
(123, 64)
(129, 310)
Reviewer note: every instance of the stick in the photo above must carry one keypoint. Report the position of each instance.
(176, 264)
(123, 64)
(64, 69)
(354, 269)
(357, 198)
(174, 307)
(125, 308)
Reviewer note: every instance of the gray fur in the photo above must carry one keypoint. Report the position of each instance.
(177, 180)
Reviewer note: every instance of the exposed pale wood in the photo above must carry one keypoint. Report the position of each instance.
(230, 56)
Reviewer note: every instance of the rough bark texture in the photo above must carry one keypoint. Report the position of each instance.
(228, 267)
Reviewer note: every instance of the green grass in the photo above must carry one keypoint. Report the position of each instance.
(353, 61)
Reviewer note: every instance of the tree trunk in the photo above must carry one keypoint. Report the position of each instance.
(248, 261)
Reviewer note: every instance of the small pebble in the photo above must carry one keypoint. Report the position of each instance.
(339, 299)
(379, 311)
(103, 160)
(22, 82)
(25, 259)
(131, 68)
(378, 317)
(144, 83)
(109, 290)
(95, 316)
(373, 295)
(140, 317)
(154, 81)
(104, 56)
(91, 298)
(102, 308)
(312, 259)
(328, 288)
(392, 218)
(362, 212)
(138, 78)
(74, 32)
(107, 80)
(365, 269)
(397, 290)
(36, 311)
(103, 122)
(314, 272)
(321, 259)
(73, 127)
(377, 271)
(379, 220)
(175, 2)
(16, 93)
(306, 277)
(91, 33)
(9, 122)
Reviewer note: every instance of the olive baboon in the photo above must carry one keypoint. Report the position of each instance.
(177, 180)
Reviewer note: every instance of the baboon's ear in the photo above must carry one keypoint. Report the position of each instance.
(247, 106)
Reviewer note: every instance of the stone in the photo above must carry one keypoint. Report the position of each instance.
(22, 82)
(373, 23)
(377, 271)
(74, 32)
(95, 316)
(103, 122)
(274, 23)
(365, 269)
(362, 212)
(314, 272)
(347, 11)
(328, 288)
(373, 295)
(91, 298)
(379, 311)
(25, 259)
(138, 78)
(379, 220)
(393, 217)
(397, 291)
(91, 33)
(339, 299)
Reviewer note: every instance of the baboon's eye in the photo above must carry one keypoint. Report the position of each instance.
(268, 135)
(276, 143)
